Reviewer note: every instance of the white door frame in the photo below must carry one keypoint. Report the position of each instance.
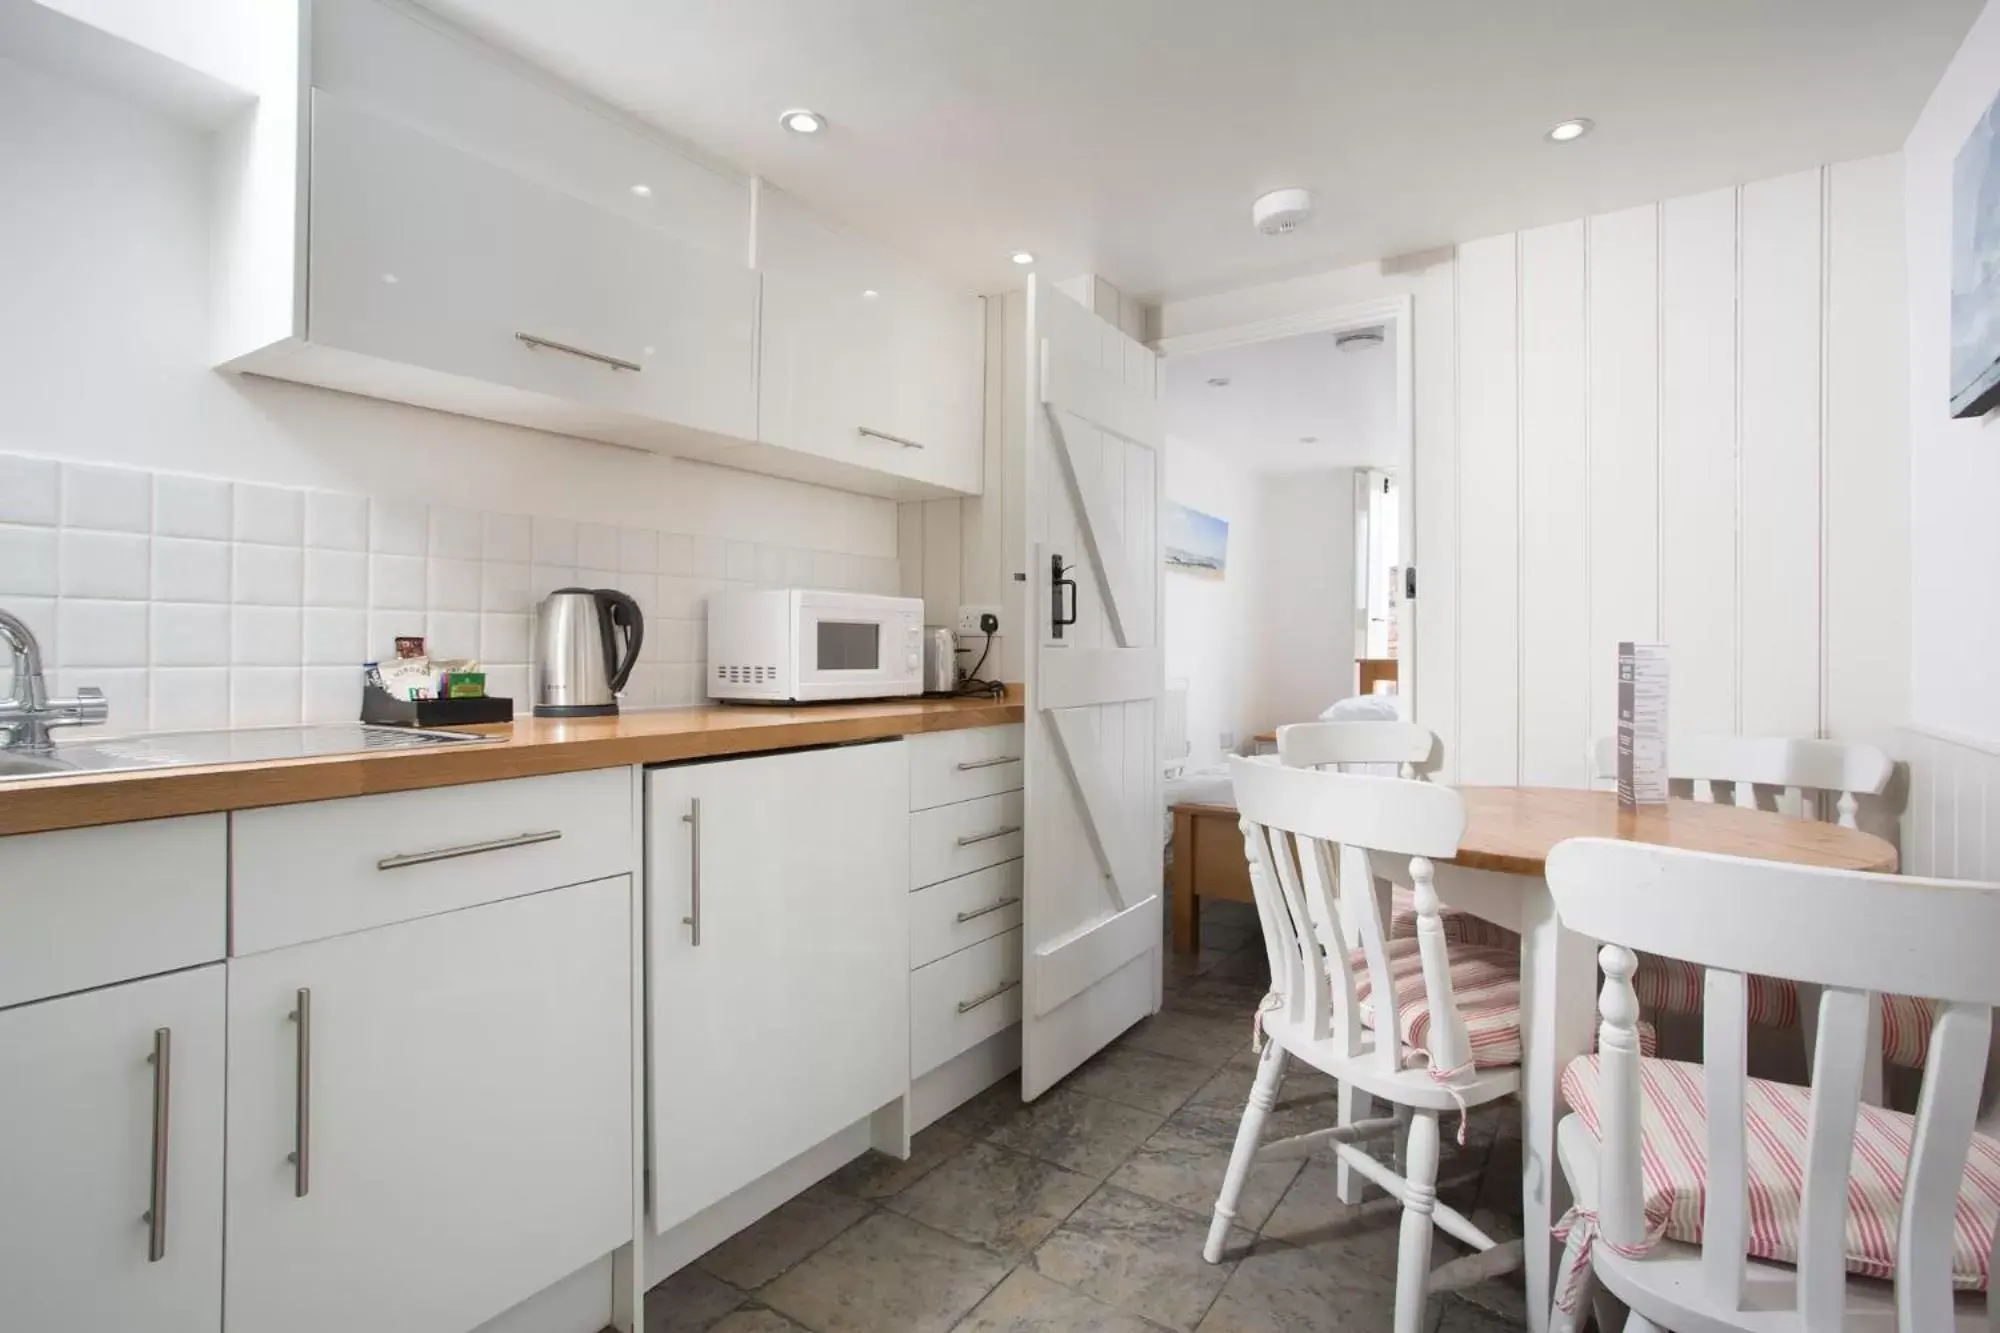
(1397, 313)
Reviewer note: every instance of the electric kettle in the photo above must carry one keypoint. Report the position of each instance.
(580, 668)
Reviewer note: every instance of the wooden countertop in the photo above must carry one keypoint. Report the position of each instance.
(532, 746)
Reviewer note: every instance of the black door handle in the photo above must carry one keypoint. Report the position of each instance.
(1057, 620)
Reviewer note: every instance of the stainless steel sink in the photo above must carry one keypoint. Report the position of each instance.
(247, 745)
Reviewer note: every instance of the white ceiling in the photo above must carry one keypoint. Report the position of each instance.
(1281, 391)
(1128, 137)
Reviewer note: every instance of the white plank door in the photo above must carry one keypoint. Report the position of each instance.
(1092, 911)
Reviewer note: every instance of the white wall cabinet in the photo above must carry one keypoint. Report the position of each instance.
(863, 360)
(79, 1089)
(465, 1138)
(778, 992)
(427, 258)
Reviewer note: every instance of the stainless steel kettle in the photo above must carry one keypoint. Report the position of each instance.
(580, 668)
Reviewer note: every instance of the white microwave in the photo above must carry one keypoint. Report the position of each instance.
(798, 645)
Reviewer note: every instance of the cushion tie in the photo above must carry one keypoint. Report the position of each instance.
(1571, 1289)
(1270, 1004)
(1448, 1080)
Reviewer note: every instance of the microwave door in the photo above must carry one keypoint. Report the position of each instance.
(844, 648)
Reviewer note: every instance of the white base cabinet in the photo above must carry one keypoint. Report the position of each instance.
(777, 912)
(79, 1088)
(449, 1132)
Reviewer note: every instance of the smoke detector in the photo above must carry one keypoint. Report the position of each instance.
(1282, 212)
(1358, 340)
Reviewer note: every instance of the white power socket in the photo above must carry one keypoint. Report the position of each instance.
(968, 618)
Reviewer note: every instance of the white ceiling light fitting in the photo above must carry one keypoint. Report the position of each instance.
(801, 121)
(642, 190)
(1022, 257)
(1282, 212)
(1358, 340)
(1568, 131)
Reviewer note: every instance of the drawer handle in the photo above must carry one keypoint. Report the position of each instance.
(874, 434)
(967, 1006)
(987, 910)
(616, 363)
(402, 859)
(967, 765)
(301, 1155)
(971, 838)
(162, 1060)
(693, 919)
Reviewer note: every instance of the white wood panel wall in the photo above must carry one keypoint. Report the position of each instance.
(1680, 422)
(1951, 822)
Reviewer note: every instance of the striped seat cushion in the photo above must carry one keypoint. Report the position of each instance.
(1673, 1156)
(1459, 927)
(1486, 986)
(1674, 986)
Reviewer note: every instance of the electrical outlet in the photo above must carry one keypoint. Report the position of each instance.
(969, 617)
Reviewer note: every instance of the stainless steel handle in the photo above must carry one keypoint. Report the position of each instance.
(616, 363)
(402, 859)
(971, 838)
(693, 919)
(162, 1060)
(967, 765)
(987, 910)
(301, 1156)
(872, 433)
(967, 1006)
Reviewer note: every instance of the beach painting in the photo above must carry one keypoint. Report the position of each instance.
(1196, 543)
(1975, 270)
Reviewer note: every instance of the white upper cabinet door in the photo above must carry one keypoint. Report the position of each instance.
(92, 1235)
(778, 912)
(448, 1130)
(863, 360)
(426, 256)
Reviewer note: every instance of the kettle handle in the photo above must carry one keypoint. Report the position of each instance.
(618, 609)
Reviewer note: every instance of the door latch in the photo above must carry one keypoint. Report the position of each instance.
(1057, 620)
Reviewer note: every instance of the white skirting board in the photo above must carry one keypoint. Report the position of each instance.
(964, 1077)
(580, 1303)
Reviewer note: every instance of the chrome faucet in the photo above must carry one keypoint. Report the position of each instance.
(27, 716)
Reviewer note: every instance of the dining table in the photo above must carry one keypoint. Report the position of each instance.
(1498, 875)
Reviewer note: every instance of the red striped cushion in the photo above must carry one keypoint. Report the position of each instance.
(1459, 927)
(1674, 986)
(1673, 1126)
(1486, 986)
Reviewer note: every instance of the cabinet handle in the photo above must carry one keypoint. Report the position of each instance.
(967, 1006)
(401, 859)
(1002, 832)
(987, 910)
(693, 919)
(967, 765)
(872, 433)
(162, 1060)
(301, 1157)
(616, 363)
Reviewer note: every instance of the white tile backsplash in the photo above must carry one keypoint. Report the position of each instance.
(196, 602)
(112, 499)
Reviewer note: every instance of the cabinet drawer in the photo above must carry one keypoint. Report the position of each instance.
(85, 907)
(306, 872)
(947, 917)
(960, 1001)
(954, 840)
(951, 766)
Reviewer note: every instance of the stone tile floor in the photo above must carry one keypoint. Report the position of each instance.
(1087, 1210)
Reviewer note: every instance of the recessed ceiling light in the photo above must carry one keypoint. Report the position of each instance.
(870, 294)
(1218, 382)
(643, 190)
(1566, 130)
(1022, 257)
(391, 279)
(1308, 439)
(801, 121)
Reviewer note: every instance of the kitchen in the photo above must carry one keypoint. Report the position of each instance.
(349, 325)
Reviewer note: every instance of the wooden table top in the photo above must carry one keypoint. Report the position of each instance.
(1511, 829)
(531, 746)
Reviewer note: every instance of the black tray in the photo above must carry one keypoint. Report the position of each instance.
(381, 708)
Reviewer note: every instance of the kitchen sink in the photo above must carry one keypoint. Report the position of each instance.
(246, 745)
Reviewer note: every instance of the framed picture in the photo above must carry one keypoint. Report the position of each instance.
(1196, 543)
(1975, 270)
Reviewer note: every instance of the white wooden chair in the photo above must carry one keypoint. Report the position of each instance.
(1794, 776)
(1709, 1201)
(1431, 1057)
